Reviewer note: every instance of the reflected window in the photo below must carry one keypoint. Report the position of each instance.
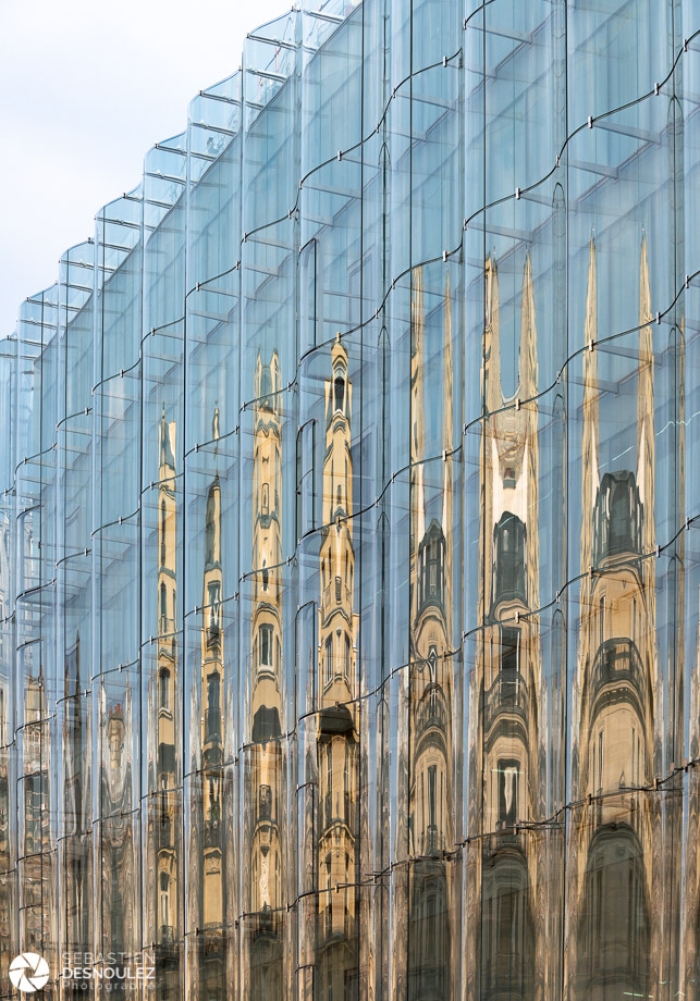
(211, 529)
(265, 576)
(431, 562)
(265, 800)
(214, 599)
(328, 659)
(164, 689)
(618, 515)
(163, 607)
(509, 572)
(346, 660)
(265, 648)
(614, 938)
(165, 902)
(213, 695)
(339, 391)
(265, 500)
(163, 518)
(507, 953)
(508, 774)
(213, 711)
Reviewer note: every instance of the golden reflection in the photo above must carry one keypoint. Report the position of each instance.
(509, 662)
(337, 722)
(610, 949)
(430, 796)
(208, 975)
(76, 842)
(265, 902)
(36, 869)
(163, 806)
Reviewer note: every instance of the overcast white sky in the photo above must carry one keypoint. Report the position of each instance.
(86, 87)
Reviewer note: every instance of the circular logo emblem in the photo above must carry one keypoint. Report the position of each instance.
(29, 972)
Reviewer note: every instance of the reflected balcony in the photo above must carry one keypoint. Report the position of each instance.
(618, 663)
(336, 595)
(507, 695)
(432, 712)
(433, 840)
(267, 923)
(167, 935)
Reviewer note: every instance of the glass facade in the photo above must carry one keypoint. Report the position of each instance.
(350, 528)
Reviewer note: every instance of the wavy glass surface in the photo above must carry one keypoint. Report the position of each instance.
(350, 527)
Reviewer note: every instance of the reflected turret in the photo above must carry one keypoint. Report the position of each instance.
(615, 684)
(509, 655)
(337, 734)
(265, 779)
(431, 807)
(165, 817)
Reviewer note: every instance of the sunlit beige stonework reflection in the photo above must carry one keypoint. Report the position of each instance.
(337, 727)
(511, 958)
(265, 782)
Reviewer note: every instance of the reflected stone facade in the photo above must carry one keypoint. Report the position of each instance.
(349, 515)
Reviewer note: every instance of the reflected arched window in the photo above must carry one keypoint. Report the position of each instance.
(265, 383)
(265, 648)
(211, 529)
(431, 563)
(213, 712)
(507, 951)
(509, 539)
(618, 515)
(614, 938)
(328, 659)
(164, 689)
(163, 518)
(165, 903)
(339, 391)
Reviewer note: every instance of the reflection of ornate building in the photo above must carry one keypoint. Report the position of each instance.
(509, 657)
(337, 734)
(611, 949)
(264, 980)
(210, 947)
(76, 839)
(163, 828)
(117, 835)
(430, 800)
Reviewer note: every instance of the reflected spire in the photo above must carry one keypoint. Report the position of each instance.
(527, 378)
(527, 365)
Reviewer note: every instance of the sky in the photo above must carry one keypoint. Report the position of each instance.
(87, 87)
